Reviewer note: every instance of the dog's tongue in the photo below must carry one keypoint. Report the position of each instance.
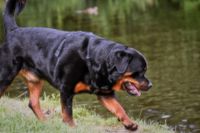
(133, 90)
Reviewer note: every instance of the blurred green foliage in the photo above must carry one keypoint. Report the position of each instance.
(62, 14)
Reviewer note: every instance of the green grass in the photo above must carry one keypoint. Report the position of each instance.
(16, 117)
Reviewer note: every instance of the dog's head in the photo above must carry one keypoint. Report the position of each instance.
(127, 69)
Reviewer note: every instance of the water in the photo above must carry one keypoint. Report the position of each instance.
(165, 31)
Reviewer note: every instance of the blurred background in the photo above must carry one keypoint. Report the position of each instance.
(165, 31)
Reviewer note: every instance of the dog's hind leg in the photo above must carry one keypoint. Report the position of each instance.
(34, 85)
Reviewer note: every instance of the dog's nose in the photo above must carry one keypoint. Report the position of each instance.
(150, 85)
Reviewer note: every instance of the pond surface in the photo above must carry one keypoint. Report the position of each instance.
(165, 31)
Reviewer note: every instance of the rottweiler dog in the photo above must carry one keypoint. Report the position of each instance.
(72, 62)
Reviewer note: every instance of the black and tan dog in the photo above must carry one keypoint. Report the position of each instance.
(72, 62)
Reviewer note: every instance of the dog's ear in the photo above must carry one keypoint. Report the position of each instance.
(117, 63)
(121, 61)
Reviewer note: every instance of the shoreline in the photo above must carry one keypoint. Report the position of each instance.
(15, 116)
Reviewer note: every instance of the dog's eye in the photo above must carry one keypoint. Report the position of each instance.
(136, 73)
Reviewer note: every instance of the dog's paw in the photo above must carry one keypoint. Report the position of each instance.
(131, 127)
(70, 123)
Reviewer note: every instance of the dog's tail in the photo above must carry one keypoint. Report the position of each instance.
(12, 9)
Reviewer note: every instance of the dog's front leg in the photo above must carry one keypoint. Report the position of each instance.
(66, 104)
(111, 103)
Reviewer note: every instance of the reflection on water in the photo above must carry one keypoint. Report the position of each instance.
(166, 31)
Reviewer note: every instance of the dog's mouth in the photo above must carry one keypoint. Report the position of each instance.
(131, 89)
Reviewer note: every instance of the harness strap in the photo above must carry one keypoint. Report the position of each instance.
(58, 51)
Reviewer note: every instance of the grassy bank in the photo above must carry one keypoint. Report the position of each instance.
(16, 117)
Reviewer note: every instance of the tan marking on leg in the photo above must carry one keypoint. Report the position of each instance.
(81, 87)
(114, 106)
(29, 76)
(35, 90)
(34, 85)
(67, 118)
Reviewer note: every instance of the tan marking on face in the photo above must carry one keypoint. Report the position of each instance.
(125, 78)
